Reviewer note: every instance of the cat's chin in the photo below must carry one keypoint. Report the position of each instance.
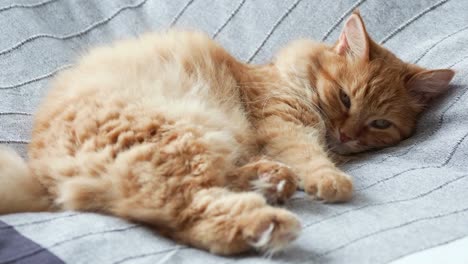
(348, 148)
(343, 149)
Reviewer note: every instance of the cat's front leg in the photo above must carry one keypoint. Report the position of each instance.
(274, 180)
(322, 180)
(303, 149)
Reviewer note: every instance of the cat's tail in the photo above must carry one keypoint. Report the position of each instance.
(19, 190)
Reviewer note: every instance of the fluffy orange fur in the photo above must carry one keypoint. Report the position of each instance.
(172, 131)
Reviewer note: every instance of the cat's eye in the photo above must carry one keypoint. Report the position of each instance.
(345, 99)
(380, 124)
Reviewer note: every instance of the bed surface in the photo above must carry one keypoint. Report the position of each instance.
(409, 198)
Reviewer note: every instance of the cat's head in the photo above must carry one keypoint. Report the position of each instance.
(368, 97)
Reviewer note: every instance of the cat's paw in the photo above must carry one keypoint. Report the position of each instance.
(271, 229)
(276, 182)
(329, 185)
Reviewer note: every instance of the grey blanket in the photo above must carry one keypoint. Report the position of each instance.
(409, 197)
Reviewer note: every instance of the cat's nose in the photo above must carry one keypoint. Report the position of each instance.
(344, 138)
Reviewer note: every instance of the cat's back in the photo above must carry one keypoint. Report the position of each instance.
(156, 70)
(168, 63)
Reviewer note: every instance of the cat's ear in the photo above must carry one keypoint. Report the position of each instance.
(428, 84)
(353, 38)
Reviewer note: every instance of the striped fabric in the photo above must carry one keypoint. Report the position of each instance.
(409, 198)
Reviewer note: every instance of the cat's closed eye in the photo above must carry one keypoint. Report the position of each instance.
(380, 124)
(345, 99)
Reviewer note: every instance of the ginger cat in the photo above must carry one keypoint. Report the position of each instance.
(172, 131)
